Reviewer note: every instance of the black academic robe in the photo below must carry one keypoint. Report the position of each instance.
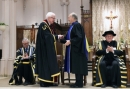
(105, 71)
(46, 60)
(78, 59)
(23, 67)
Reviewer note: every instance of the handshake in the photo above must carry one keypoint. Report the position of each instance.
(60, 37)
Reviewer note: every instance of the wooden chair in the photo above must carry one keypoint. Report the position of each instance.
(127, 64)
(63, 79)
(60, 63)
(126, 60)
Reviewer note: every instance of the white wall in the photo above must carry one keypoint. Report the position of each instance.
(0, 39)
(75, 7)
(0, 21)
(56, 8)
(0, 10)
(19, 13)
(33, 12)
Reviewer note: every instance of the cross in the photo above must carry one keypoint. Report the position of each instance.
(111, 17)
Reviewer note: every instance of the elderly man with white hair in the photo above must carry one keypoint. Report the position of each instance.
(23, 68)
(76, 51)
(46, 60)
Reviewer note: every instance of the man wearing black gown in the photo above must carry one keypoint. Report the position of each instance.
(110, 67)
(76, 51)
(46, 60)
(23, 65)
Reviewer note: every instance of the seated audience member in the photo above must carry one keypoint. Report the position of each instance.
(24, 65)
(110, 68)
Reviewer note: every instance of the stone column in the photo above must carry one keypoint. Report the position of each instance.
(12, 36)
(5, 35)
(45, 7)
(64, 4)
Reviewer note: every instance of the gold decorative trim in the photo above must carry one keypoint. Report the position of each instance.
(15, 66)
(55, 75)
(100, 77)
(36, 74)
(123, 76)
(12, 83)
(124, 72)
(123, 82)
(123, 86)
(25, 62)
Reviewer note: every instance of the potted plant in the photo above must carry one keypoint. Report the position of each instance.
(2, 26)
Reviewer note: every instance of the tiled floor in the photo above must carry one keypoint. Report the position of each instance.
(4, 84)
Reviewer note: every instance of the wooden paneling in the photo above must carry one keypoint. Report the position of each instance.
(88, 30)
(86, 21)
(19, 37)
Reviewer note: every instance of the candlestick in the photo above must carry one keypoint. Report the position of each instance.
(81, 3)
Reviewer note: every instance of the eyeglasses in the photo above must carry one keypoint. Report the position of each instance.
(53, 18)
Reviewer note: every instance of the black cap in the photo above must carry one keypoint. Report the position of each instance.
(109, 32)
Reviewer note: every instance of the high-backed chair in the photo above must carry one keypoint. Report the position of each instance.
(125, 57)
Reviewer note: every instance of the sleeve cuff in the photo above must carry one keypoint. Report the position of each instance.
(107, 51)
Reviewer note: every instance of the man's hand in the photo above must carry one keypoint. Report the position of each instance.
(25, 56)
(109, 49)
(60, 36)
(67, 42)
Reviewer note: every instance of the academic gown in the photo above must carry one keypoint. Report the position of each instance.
(46, 59)
(76, 55)
(23, 67)
(102, 74)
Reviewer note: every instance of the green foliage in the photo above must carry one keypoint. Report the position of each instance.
(2, 24)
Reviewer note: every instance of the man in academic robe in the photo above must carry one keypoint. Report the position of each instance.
(110, 65)
(46, 60)
(76, 56)
(23, 65)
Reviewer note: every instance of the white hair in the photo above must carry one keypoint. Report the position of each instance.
(74, 15)
(25, 39)
(50, 14)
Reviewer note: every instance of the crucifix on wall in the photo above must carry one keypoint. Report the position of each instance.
(111, 17)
